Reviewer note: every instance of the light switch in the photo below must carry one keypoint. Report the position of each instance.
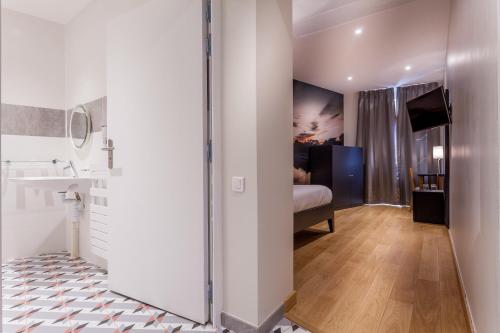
(238, 184)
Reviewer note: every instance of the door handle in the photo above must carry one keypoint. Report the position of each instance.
(109, 148)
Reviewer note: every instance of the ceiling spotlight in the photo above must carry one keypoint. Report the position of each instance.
(358, 31)
(349, 78)
(407, 67)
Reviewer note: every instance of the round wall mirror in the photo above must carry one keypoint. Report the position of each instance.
(80, 126)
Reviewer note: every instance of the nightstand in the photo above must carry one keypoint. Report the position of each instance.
(428, 206)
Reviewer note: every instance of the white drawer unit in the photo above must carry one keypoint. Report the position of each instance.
(99, 216)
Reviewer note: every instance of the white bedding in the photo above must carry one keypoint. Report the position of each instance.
(310, 196)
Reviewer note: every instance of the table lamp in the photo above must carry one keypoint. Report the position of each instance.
(438, 154)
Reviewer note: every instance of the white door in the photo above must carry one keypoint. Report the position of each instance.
(156, 83)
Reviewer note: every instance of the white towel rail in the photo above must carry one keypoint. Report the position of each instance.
(99, 212)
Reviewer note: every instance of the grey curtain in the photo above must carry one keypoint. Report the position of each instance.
(414, 149)
(376, 135)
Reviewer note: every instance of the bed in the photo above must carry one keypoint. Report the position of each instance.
(312, 204)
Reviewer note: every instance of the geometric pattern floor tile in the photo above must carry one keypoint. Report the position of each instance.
(286, 326)
(54, 293)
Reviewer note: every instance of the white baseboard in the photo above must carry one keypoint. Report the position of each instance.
(462, 286)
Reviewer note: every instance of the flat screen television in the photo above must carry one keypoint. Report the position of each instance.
(428, 110)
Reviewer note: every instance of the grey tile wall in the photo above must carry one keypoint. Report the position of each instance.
(35, 121)
(32, 121)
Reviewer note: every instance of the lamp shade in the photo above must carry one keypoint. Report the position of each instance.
(438, 152)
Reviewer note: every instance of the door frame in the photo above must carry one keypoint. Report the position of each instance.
(216, 175)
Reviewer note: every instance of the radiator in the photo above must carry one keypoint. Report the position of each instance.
(99, 211)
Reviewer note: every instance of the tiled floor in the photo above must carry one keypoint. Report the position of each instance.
(54, 293)
(286, 326)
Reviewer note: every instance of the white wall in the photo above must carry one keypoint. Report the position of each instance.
(472, 74)
(32, 61)
(239, 128)
(257, 144)
(350, 118)
(33, 221)
(274, 154)
(86, 47)
(32, 75)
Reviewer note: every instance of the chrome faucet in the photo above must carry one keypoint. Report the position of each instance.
(70, 165)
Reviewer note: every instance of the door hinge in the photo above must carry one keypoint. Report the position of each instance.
(209, 12)
(210, 292)
(209, 45)
(209, 151)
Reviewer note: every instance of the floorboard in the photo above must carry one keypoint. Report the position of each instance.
(379, 272)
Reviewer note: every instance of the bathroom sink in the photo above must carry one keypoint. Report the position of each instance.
(56, 184)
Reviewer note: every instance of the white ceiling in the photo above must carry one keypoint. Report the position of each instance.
(59, 11)
(412, 33)
(310, 16)
(396, 33)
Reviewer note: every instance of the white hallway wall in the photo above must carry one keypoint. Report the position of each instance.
(32, 75)
(274, 154)
(472, 77)
(239, 127)
(257, 144)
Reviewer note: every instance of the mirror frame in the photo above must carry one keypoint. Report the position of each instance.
(81, 109)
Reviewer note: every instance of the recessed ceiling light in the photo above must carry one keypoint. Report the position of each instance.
(349, 78)
(407, 67)
(358, 31)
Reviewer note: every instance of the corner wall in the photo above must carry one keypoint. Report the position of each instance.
(239, 156)
(257, 144)
(472, 77)
(350, 118)
(274, 153)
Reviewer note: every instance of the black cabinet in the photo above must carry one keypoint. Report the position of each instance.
(429, 206)
(339, 168)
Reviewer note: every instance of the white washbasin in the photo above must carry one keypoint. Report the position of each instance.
(56, 184)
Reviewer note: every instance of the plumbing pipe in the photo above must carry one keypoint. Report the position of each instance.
(75, 222)
(74, 217)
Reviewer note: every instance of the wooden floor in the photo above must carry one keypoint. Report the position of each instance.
(379, 272)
